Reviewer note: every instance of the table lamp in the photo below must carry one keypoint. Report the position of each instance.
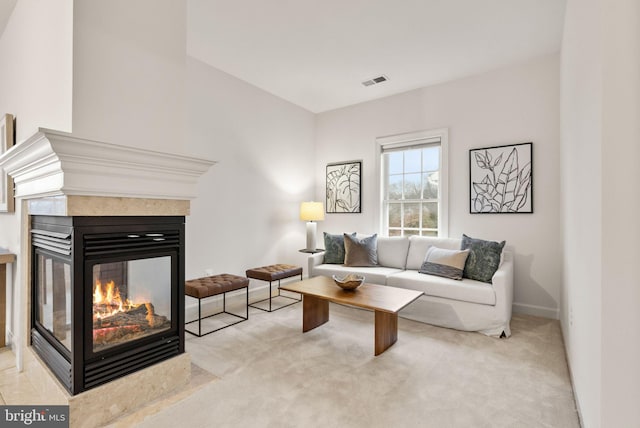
(311, 212)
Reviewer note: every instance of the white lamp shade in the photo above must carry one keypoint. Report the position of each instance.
(311, 211)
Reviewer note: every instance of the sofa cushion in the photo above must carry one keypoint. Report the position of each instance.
(372, 275)
(334, 248)
(484, 258)
(392, 252)
(466, 290)
(418, 246)
(360, 252)
(445, 263)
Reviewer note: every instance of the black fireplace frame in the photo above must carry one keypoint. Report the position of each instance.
(83, 241)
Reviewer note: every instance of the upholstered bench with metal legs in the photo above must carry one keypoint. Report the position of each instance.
(215, 285)
(273, 273)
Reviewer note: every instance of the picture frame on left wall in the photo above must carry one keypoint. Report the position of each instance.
(7, 140)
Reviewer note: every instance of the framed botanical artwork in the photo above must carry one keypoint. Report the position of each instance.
(344, 187)
(6, 183)
(501, 179)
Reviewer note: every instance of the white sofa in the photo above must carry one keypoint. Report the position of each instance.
(463, 305)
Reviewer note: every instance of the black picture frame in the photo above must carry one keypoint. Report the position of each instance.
(501, 179)
(344, 187)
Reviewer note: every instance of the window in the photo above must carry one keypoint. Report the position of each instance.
(413, 177)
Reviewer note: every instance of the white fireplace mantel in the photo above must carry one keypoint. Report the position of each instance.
(52, 163)
(61, 174)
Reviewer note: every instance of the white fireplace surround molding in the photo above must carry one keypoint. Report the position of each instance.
(53, 163)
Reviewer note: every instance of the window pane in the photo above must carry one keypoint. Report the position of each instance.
(412, 161)
(394, 187)
(430, 185)
(430, 215)
(412, 215)
(394, 162)
(394, 215)
(431, 158)
(412, 186)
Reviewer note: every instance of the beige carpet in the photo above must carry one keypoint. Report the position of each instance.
(272, 375)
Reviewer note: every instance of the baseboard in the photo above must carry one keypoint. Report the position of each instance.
(538, 311)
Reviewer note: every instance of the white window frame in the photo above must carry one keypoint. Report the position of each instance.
(408, 140)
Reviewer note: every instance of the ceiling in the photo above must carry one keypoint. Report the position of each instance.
(316, 53)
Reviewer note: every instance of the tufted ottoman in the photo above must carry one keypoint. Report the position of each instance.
(210, 286)
(274, 273)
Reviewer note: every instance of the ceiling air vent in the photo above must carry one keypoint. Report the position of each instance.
(375, 80)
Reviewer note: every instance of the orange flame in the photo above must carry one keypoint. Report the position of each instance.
(108, 301)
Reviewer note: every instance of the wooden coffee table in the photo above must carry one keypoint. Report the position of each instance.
(386, 301)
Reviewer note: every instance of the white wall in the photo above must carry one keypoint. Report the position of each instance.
(35, 86)
(510, 105)
(247, 212)
(134, 86)
(129, 62)
(600, 134)
(621, 208)
(35, 71)
(581, 102)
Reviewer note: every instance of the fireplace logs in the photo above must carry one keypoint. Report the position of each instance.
(118, 320)
(120, 327)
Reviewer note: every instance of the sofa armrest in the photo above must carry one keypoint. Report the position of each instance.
(502, 282)
(313, 261)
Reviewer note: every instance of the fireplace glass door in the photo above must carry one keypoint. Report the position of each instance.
(53, 306)
(131, 300)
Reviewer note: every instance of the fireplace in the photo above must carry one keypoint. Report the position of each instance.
(108, 295)
(105, 210)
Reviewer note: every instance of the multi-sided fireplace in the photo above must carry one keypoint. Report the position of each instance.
(114, 215)
(108, 295)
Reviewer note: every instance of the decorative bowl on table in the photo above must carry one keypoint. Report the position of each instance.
(349, 282)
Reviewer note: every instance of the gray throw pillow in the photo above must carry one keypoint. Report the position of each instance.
(334, 248)
(445, 263)
(361, 252)
(483, 260)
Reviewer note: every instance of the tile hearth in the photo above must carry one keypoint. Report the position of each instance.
(20, 389)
